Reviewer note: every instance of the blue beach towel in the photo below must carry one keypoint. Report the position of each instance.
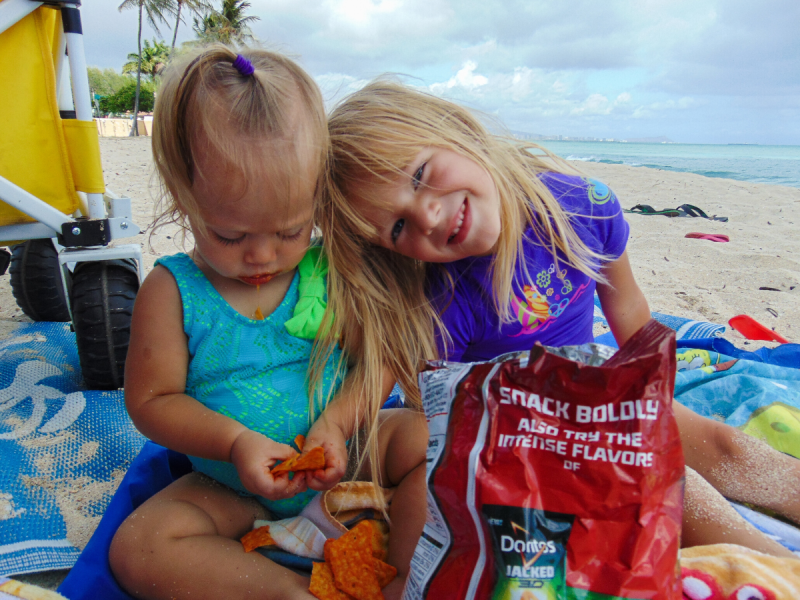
(685, 329)
(63, 450)
(153, 470)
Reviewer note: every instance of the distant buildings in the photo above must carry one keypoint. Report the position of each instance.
(534, 137)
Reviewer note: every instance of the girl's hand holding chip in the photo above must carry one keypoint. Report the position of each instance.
(329, 435)
(253, 455)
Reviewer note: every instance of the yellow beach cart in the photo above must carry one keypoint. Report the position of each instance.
(55, 213)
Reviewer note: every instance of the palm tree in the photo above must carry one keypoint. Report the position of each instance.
(153, 59)
(228, 25)
(193, 6)
(155, 11)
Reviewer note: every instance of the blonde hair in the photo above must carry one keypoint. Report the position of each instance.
(252, 123)
(378, 296)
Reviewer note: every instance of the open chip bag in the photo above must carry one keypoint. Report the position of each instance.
(554, 474)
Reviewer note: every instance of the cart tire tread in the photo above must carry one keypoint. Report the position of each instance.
(36, 281)
(103, 294)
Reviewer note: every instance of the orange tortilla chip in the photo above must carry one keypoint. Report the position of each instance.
(322, 585)
(300, 441)
(350, 559)
(310, 461)
(257, 538)
(384, 572)
(380, 539)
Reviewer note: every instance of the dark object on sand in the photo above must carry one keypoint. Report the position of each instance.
(684, 210)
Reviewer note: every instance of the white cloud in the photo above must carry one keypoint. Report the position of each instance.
(465, 79)
(557, 67)
(359, 13)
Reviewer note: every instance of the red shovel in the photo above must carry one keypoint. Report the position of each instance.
(753, 330)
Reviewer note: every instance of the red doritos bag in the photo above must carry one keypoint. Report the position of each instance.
(554, 476)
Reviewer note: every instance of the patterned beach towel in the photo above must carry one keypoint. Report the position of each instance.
(63, 450)
(685, 329)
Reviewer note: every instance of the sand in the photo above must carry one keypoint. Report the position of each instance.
(693, 278)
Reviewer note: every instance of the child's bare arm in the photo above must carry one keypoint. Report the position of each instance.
(623, 302)
(155, 382)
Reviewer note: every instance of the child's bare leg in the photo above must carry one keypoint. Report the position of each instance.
(183, 543)
(740, 466)
(708, 518)
(403, 442)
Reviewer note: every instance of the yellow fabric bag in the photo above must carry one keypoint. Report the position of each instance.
(35, 152)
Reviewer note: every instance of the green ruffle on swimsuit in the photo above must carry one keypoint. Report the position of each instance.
(254, 371)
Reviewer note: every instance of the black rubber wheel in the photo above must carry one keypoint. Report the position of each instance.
(102, 299)
(5, 259)
(36, 281)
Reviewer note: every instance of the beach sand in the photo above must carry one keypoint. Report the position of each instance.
(692, 278)
(696, 279)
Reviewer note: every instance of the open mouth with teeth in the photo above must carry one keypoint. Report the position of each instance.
(459, 223)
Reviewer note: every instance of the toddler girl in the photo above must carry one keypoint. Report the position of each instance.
(447, 239)
(222, 338)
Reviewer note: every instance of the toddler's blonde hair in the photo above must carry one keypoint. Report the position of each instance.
(269, 125)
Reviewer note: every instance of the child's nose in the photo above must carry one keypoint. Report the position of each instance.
(429, 213)
(261, 251)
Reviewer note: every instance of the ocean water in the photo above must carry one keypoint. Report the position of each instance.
(778, 165)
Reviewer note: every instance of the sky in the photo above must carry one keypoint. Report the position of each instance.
(692, 71)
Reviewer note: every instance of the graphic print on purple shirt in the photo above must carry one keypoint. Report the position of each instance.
(556, 308)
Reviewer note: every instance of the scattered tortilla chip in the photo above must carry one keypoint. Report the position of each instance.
(384, 572)
(322, 585)
(257, 538)
(300, 441)
(380, 539)
(310, 461)
(350, 559)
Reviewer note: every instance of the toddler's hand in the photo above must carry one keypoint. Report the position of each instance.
(328, 435)
(253, 454)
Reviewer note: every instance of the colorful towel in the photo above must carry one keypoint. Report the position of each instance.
(685, 329)
(63, 450)
(728, 572)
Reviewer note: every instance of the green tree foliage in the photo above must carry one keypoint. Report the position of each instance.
(196, 7)
(124, 100)
(154, 59)
(107, 81)
(228, 25)
(155, 11)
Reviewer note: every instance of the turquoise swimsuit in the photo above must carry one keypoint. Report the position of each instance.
(253, 371)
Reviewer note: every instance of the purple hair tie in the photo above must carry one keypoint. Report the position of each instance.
(244, 66)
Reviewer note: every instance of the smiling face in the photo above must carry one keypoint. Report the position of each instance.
(253, 231)
(442, 208)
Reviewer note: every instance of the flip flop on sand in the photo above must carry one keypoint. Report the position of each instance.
(693, 211)
(712, 237)
(684, 210)
(753, 330)
(646, 209)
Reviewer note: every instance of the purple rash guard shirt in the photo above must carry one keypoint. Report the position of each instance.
(555, 306)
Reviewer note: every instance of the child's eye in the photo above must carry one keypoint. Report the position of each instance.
(229, 241)
(416, 181)
(398, 227)
(291, 236)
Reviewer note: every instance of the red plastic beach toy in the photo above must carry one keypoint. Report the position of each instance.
(753, 330)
